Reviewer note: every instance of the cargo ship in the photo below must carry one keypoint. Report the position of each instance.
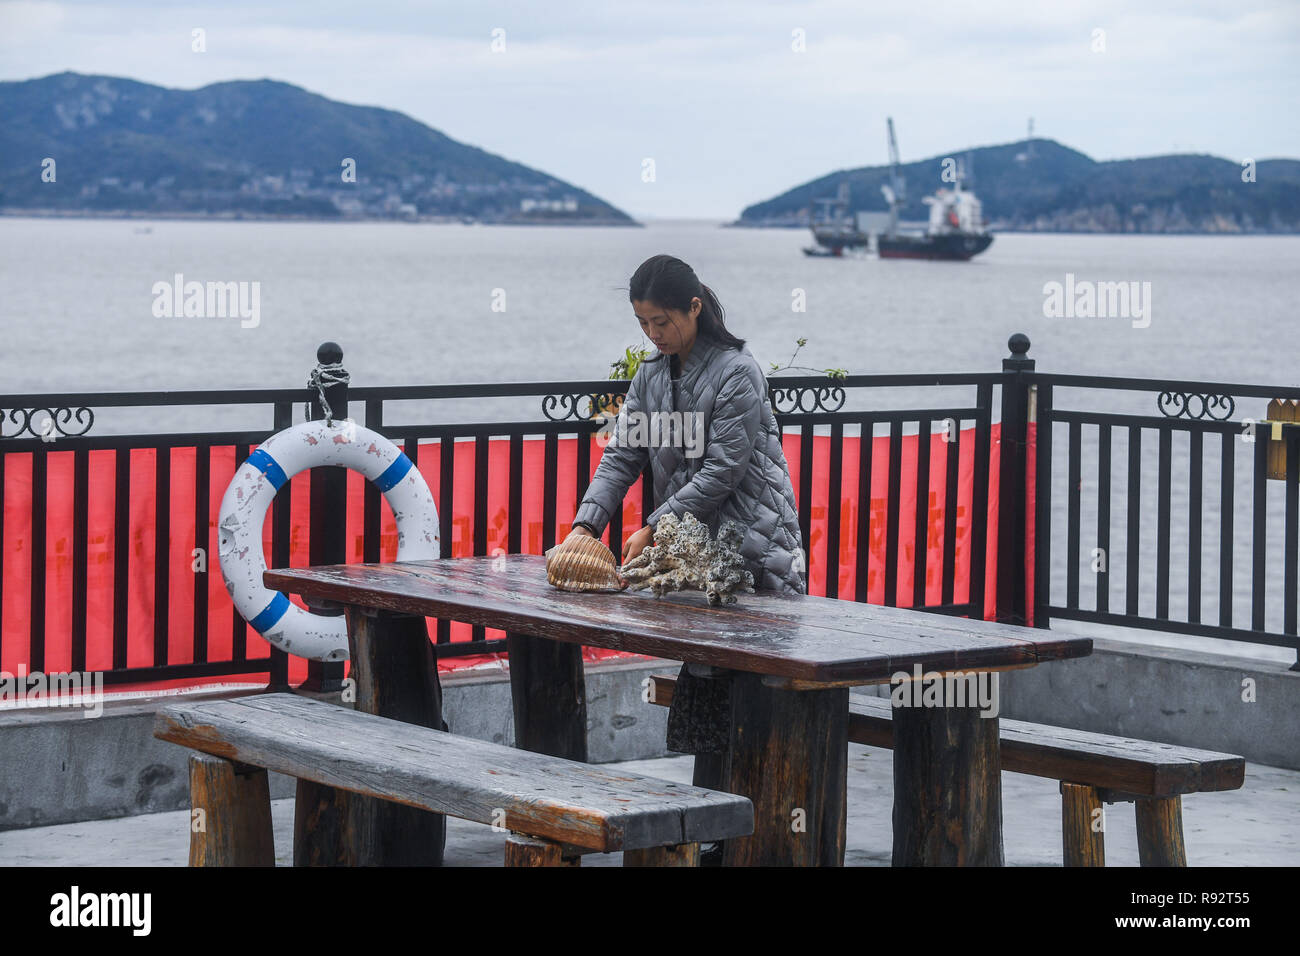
(956, 230)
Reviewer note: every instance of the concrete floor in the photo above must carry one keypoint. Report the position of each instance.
(1258, 825)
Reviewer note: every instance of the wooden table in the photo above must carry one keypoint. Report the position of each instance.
(790, 658)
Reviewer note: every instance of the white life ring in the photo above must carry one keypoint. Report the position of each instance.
(249, 495)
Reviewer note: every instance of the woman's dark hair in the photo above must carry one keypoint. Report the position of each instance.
(667, 281)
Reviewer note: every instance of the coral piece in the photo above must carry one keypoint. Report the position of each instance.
(583, 564)
(683, 558)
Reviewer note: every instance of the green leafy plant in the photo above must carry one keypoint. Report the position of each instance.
(625, 367)
(838, 374)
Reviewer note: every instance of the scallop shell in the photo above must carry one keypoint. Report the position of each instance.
(584, 564)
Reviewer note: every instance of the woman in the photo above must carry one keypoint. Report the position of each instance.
(742, 474)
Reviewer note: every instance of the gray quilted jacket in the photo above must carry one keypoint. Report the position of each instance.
(742, 473)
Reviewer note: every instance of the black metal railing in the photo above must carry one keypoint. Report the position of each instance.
(326, 533)
(1034, 439)
(1163, 554)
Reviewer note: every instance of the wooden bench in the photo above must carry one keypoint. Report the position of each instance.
(555, 809)
(1092, 769)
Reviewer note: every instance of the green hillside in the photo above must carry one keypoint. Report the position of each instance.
(258, 147)
(1041, 185)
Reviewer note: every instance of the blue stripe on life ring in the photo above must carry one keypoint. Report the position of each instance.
(269, 467)
(271, 614)
(394, 473)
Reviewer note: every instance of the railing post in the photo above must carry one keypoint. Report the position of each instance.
(1012, 482)
(1291, 539)
(329, 497)
(278, 677)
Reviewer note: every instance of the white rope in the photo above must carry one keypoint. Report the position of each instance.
(322, 377)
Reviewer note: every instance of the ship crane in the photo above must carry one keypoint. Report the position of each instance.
(895, 191)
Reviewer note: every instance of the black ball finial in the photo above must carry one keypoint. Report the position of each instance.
(329, 353)
(1019, 344)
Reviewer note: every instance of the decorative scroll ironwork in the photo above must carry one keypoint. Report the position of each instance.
(52, 427)
(1196, 405)
(582, 406)
(571, 405)
(807, 398)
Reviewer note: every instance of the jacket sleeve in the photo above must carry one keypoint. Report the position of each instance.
(732, 433)
(619, 467)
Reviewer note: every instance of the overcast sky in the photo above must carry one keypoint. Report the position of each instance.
(715, 92)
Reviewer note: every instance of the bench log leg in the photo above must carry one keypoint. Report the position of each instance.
(684, 854)
(1160, 831)
(524, 850)
(789, 755)
(947, 787)
(234, 828)
(548, 690)
(1084, 841)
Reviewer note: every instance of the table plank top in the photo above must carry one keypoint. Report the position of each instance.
(794, 636)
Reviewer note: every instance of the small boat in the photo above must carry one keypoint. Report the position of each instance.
(835, 230)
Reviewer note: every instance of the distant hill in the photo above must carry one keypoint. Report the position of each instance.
(255, 148)
(1040, 185)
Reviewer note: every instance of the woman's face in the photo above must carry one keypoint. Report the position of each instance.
(671, 330)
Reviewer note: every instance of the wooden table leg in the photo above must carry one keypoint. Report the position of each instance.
(789, 754)
(396, 676)
(322, 830)
(549, 692)
(947, 787)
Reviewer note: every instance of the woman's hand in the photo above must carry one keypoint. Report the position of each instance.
(638, 543)
(580, 530)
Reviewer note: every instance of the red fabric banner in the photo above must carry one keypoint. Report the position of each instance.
(184, 569)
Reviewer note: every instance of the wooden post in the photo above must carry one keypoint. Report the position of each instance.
(1160, 831)
(709, 771)
(322, 825)
(320, 828)
(1084, 844)
(947, 787)
(789, 755)
(548, 690)
(524, 850)
(230, 814)
(684, 854)
(396, 676)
